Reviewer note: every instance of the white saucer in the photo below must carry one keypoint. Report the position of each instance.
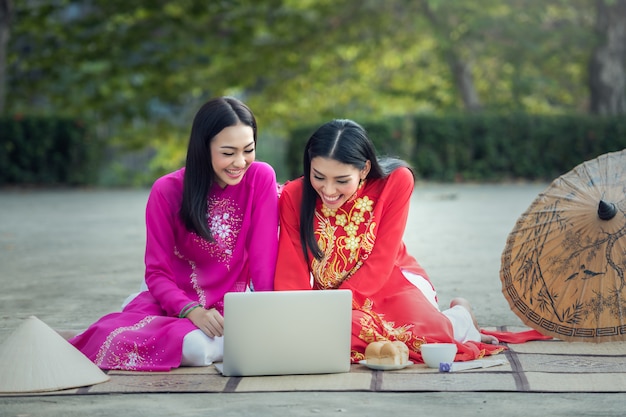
(385, 367)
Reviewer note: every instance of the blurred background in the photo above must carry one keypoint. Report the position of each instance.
(103, 92)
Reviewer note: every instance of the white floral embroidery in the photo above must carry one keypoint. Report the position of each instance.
(224, 219)
(118, 357)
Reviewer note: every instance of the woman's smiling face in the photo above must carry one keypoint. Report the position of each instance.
(232, 152)
(334, 181)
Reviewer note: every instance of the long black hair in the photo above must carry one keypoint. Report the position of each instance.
(211, 119)
(347, 142)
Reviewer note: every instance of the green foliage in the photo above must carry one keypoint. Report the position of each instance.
(127, 61)
(494, 147)
(298, 138)
(139, 70)
(47, 150)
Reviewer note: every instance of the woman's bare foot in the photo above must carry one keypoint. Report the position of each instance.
(459, 301)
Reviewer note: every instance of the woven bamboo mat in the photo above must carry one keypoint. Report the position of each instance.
(537, 366)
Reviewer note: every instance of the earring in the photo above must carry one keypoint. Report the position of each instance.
(356, 193)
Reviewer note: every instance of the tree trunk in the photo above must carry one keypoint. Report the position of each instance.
(607, 66)
(459, 68)
(5, 26)
(464, 81)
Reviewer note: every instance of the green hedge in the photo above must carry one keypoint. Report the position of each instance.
(515, 146)
(486, 147)
(47, 151)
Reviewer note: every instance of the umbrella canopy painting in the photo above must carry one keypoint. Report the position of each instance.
(563, 264)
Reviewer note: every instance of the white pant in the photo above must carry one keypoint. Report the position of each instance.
(201, 350)
(461, 319)
(198, 348)
(142, 287)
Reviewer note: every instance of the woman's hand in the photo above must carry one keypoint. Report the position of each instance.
(210, 321)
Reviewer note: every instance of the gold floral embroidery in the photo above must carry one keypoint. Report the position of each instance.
(364, 204)
(346, 237)
(356, 356)
(358, 218)
(375, 328)
(328, 212)
(351, 229)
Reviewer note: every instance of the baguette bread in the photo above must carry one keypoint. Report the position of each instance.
(387, 353)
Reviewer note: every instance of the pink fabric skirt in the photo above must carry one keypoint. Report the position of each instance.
(140, 338)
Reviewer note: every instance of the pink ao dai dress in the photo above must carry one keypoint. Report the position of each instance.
(183, 268)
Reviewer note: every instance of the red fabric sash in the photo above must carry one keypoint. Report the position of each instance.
(516, 337)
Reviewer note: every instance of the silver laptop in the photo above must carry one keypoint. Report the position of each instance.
(286, 332)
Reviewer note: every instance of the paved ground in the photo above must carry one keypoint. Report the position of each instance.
(71, 256)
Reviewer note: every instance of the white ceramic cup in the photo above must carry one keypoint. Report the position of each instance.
(436, 353)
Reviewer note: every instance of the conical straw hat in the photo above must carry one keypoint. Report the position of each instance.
(35, 358)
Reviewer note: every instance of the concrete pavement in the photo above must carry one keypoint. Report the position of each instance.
(71, 256)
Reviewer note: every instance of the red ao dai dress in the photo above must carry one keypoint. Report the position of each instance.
(364, 252)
